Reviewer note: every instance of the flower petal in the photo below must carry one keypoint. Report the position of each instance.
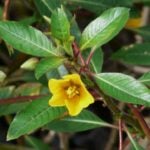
(73, 77)
(73, 107)
(57, 100)
(85, 98)
(56, 86)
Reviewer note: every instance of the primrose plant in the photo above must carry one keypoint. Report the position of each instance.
(71, 62)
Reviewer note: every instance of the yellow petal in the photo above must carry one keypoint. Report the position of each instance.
(85, 98)
(57, 86)
(57, 100)
(73, 107)
(73, 77)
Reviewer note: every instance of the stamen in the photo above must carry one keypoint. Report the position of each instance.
(72, 91)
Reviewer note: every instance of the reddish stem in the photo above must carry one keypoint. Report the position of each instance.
(141, 120)
(19, 99)
(89, 57)
(5, 11)
(77, 53)
(120, 135)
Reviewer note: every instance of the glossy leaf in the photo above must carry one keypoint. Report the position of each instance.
(123, 88)
(60, 26)
(47, 64)
(104, 28)
(26, 39)
(35, 115)
(84, 121)
(145, 78)
(46, 7)
(138, 54)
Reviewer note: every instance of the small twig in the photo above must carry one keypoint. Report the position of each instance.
(77, 53)
(120, 135)
(141, 120)
(19, 99)
(6, 8)
(89, 57)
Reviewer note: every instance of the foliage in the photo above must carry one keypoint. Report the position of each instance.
(53, 42)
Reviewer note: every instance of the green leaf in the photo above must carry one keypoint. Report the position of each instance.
(46, 7)
(104, 28)
(123, 88)
(60, 26)
(26, 39)
(145, 78)
(7, 92)
(35, 115)
(135, 145)
(84, 121)
(138, 54)
(97, 60)
(143, 31)
(36, 143)
(47, 64)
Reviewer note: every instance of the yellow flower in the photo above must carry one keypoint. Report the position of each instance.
(134, 23)
(70, 92)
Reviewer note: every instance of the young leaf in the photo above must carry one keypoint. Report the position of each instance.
(84, 121)
(60, 26)
(145, 78)
(138, 54)
(46, 7)
(123, 88)
(47, 64)
(35, 115)
(104, 28)
(26, 39)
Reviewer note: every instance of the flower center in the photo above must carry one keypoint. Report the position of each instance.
(72, 91)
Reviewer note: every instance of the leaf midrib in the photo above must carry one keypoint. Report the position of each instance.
(95, 36)
(86, 121)
(122, 90)
(20, 37)
(29, 121)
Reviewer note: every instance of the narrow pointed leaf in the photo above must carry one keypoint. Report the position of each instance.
(84, 121)
(104, 28)
(138, 54)
(123, 88)
(35, 115)
(26, 39)
(47, 64)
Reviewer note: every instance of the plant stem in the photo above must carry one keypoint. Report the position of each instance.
(89, 57)
(141, 120)
(19, 99)
(120, 134)
(5, 11)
